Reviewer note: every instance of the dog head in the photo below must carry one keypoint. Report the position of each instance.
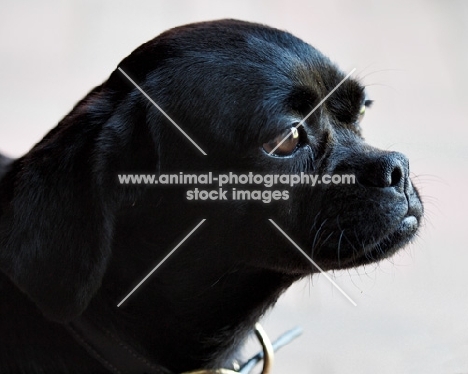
(237, 90)
(238, 94)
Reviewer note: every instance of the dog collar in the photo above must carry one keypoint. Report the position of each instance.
(119, 358)
(114, 354)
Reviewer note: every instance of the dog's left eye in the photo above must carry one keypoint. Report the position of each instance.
(284, 144)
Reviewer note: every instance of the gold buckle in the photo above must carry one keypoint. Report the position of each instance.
(268, 355)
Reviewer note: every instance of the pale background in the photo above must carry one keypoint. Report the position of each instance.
(413, 55)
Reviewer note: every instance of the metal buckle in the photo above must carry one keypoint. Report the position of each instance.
(268, 355)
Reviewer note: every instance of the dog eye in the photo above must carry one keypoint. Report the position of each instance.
(284, 144)
(362, 110)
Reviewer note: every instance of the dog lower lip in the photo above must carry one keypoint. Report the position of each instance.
(409, 223)
(400, 236)
(404, 231)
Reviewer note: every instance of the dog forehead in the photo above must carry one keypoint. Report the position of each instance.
(231, 54)
(234, 75)
(234, 42)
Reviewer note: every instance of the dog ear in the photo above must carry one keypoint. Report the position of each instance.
(59, 202)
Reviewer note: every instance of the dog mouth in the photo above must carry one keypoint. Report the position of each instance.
(357, 253)
(390, 243)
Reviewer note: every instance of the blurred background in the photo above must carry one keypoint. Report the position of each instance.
(413, 57)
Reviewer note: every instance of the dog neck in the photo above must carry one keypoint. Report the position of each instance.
(196, 310)
(202, 327)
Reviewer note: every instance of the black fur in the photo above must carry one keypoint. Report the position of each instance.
(73, 240)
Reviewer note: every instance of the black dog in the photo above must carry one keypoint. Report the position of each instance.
(74, 241)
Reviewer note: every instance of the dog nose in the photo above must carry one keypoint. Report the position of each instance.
(389, 169)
